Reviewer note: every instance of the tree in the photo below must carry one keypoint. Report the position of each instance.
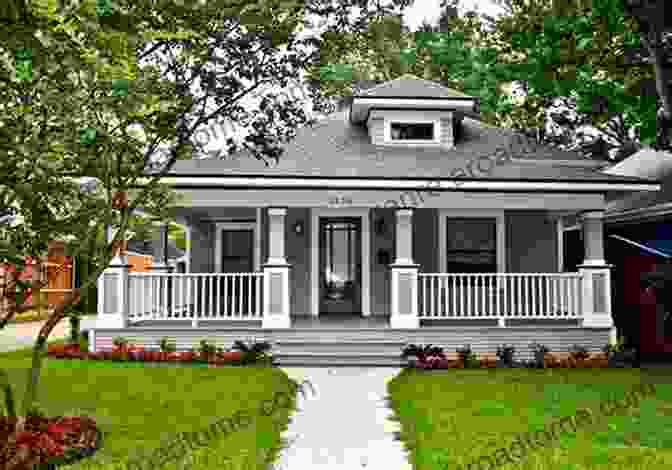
(121, 107)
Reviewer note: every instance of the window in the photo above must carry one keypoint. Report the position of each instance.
(412, 131)
(471, 245)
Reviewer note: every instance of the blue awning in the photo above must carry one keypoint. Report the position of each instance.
(659, 247)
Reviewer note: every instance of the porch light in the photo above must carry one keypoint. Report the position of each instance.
(298, 228)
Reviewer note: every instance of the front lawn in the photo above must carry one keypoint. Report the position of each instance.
(141, 409)
(451, 418)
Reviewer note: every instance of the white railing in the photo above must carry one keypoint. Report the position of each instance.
(499, 295)
(195, 296)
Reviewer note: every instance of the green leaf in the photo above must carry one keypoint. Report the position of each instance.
(584, 43)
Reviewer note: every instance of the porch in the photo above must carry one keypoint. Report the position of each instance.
(391, 296)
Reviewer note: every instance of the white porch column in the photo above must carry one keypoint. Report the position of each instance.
(113, 293)
(404, 290)
(276, 273)
(596, 276)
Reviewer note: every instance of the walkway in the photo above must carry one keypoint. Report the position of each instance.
(344, 423)
(22, 335)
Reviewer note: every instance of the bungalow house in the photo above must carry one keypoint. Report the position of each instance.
(399, 219)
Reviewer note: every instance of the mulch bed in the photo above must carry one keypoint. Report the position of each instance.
(46, 443)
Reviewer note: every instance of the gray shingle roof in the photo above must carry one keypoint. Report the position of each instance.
(410, 86)
(649, 164)
(335, 147)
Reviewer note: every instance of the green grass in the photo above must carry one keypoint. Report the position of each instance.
(140, 408)
(459, 416)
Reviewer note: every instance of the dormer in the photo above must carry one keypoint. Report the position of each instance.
(412, 112)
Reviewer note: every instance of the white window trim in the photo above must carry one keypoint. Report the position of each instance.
(435, 140)
(315, 214)
(498, 215)
(219, 226)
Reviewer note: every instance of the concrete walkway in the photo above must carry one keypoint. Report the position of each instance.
(22, 335)
(343, 424)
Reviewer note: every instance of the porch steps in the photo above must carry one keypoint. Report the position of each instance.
(337, 353)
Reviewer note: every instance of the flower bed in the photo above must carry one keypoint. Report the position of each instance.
(124, 352)
(433, 357)
(47, 442)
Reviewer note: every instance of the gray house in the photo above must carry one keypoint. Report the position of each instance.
(401, 219)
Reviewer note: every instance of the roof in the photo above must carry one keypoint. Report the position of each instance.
(410, 86)
(334, 147)
(646, 163)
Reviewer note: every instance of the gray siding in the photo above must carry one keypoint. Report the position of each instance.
(532, 245)
(377, 131)
(298, 256)
(202, 247)
(380, 273)
(425, 239)
(482, 339)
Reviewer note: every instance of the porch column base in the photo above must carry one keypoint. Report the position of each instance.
(276, 296)
(404, 301)
(113, 295)
(404, 322)
(596, 295)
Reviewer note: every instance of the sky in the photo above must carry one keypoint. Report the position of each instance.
(431, 9)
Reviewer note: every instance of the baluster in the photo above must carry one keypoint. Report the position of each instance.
(226, 291)
(432, 304)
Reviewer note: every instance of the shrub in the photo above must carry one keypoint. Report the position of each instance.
(505, 354)
(120, 342)
(167, 345)
(539, 351)
(467, 356)
(253, 353)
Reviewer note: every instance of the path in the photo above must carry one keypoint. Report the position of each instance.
(344, 424)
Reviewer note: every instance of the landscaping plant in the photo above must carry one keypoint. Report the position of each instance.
(253, 353)
(468, 357)
(505, 354)
(539, 351)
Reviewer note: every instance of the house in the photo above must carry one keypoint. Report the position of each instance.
(399, 219)
(638, 240)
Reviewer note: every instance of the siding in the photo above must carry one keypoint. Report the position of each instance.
(377, 131)
(380, 273)
(531, 241)
(425, 239)
(202, 247)
(483, 339)
(298, 256)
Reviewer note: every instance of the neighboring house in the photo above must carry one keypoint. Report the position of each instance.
(315, 255)
(638, 239)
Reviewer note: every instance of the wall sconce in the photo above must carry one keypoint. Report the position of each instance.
(381, 228)
(298, 228)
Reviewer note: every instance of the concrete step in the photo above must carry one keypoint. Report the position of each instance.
(292, 346)
(344, 359)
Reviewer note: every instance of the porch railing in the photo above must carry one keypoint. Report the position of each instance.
(202, 296)
(499, 295)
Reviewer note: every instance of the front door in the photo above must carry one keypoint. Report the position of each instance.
(340, 265)
(238, 257)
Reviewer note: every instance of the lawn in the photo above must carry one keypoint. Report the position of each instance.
(141, 409)
(451, 418)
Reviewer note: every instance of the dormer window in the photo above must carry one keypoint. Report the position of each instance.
(421, 132)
